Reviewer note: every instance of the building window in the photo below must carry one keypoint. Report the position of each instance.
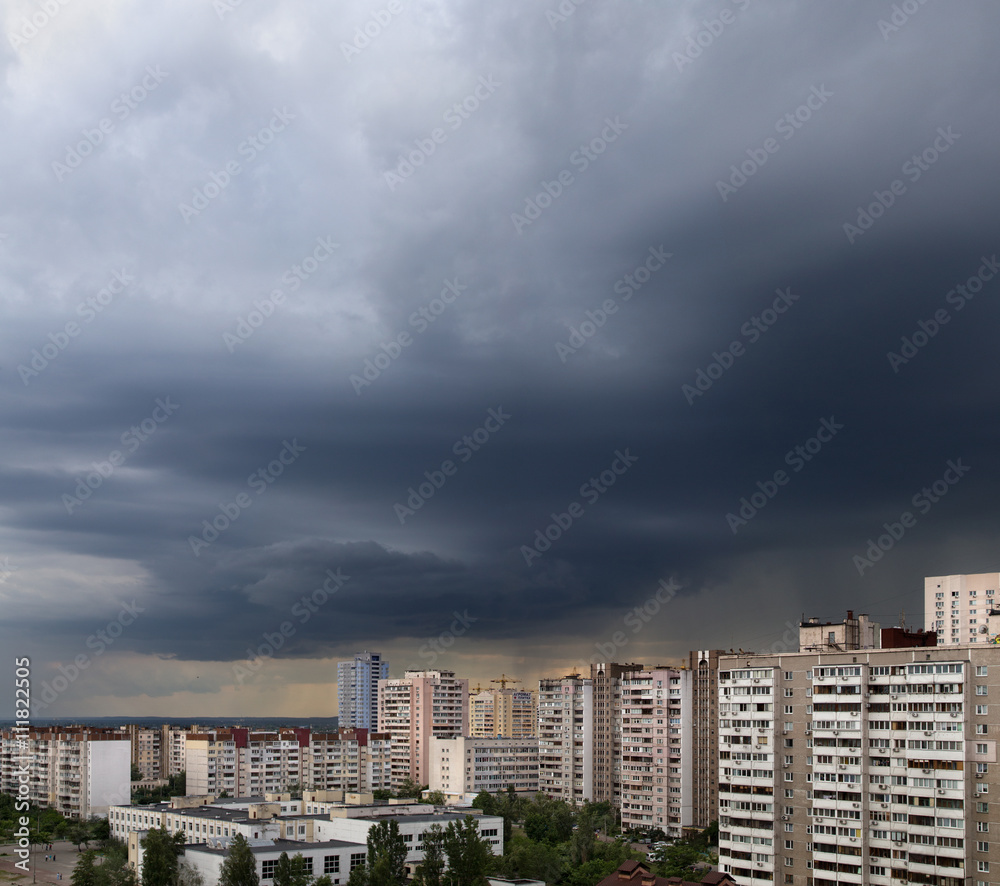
(789, 675)
(789, 793)
(981, 690)
(267, 868)
(983, 867)
(357, 859)
(982, 846)
(980, 729)
(981, 748)
(982, 709)
(331, 864)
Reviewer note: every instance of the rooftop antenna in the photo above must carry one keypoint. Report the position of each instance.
(902, 619)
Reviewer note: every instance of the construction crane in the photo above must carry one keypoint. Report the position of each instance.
(475, 690)
(503, 680)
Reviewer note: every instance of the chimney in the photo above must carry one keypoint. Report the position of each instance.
(850, 614)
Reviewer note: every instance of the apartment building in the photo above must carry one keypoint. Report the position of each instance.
(244, 763)
(357, 690)
(704, 752)
(957, 607)
(606, 679)
(354, 760)
(566, 738)
(461, 767)
(866, 767)
(656, 772)
(413, 709)
(79, 771)
(503, 713)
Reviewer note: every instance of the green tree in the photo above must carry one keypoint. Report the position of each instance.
(435, 798)
(381, 794)
(548, 821)
(431, 870)
(84, 873)
(116, 871)
(386, 860)
(469, 855)
(323, 881)
(160, 853)
(136, 773)
(188, 875)
(408, 789)
(524, 858)
(283, 871)
(239, 867)
(78, 832)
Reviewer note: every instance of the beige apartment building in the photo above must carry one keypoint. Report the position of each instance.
(566, 738)
(606, 679)
(873, 767)
(242, 763)
(461, 767)
(78, 771)
(503, 713)
(656, 770)
(413, 709)
(353, 760)
(958, 607)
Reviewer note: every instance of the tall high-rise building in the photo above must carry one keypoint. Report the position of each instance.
(416, 707)
(566, 738)
(704, 751)
(357, 690)
(606, 680)
(958, 607)
(656, 772)
(503, 713)
(872, 767)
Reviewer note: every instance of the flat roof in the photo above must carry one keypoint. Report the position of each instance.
(289, 846)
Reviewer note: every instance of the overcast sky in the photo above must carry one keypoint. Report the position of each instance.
(268, 265)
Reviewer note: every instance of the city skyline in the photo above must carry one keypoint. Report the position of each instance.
(495, 339)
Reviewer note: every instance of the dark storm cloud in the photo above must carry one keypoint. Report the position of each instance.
(497, 188)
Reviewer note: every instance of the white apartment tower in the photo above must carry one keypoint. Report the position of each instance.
(656, 750)
(869, 767)
(958, 606)
(357, 690)
(415, 708)
(566, 738)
